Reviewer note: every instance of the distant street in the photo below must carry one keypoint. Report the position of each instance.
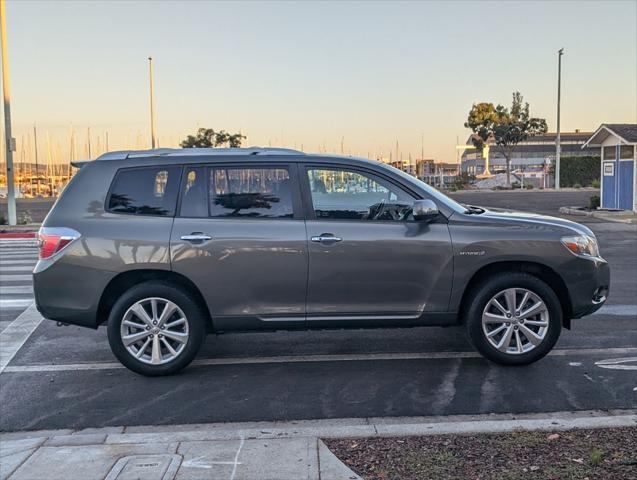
(66, 377)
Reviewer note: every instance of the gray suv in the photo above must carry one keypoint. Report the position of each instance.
(167, 245)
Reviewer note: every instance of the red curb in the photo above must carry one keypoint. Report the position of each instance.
(17, 234)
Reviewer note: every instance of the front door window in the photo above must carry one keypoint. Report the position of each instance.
(350, 195)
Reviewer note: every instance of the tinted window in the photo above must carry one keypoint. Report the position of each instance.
(343, 194)
(194, 201)
(609, 153)
(250, 192)
(145, 191)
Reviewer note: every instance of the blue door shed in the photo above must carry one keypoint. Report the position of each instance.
(618, 143)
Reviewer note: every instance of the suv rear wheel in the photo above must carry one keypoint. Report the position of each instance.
(514, 319)
(156, 329)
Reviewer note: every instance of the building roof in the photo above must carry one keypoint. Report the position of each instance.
(626, 132)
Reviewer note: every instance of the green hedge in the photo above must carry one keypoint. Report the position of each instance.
(580, 171)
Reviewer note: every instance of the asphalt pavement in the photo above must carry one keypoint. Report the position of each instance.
(66, 377)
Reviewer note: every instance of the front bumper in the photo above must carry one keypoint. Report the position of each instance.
(588, 286)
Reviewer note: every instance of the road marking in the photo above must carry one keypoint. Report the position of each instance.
(22, 268)
(17, 333)
(16, 278)
(13, 289)
(618, 363)
(619, 310)
(26, 261)
(15, 302)
(311, 358)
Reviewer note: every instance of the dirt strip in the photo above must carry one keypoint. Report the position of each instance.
(604, 454)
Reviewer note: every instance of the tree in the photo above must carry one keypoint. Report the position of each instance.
(503, 127)
(208, 138)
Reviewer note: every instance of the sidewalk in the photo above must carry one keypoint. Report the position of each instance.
(251, 451)
(618, 216)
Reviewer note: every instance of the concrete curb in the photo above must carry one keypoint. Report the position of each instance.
(338, 428)
(254, 450)
(617, 217)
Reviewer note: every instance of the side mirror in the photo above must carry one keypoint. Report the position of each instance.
(424, 210)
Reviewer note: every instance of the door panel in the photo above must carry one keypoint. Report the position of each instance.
(369, 261)
(247, 253)
(626, 172)
(249, 267)
(379, 268)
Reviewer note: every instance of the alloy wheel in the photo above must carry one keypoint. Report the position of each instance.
(515, 321)
(154, 330)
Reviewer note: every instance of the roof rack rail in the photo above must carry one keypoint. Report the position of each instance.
(192, 152)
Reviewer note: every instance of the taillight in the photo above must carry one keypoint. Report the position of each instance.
(52, 240)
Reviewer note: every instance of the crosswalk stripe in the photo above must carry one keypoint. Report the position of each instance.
(23, 251)
(20, 268)
(15, 278)
(25, 261)
(15, 289)
(8, 303)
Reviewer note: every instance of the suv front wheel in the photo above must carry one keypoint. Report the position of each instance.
(514, 318)
(155, 329)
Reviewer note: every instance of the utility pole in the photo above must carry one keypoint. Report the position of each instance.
(153, 136)
(558, 147)
(9, 140)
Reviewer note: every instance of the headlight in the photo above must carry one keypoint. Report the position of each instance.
(582, 245)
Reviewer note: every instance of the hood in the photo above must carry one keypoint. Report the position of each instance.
(530, 219)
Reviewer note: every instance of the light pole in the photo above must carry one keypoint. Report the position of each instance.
(9, 140)
(558, 147)
(153, 137)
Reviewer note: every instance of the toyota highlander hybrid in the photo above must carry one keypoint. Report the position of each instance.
(164, 246)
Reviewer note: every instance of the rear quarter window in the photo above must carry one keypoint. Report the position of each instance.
(145, 191)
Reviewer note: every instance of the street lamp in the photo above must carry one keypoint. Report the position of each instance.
(558, 147)
(9, 140)
(153, 136)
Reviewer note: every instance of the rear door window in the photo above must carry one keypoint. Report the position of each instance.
(145, 191)
(248, 192)
(194, 200)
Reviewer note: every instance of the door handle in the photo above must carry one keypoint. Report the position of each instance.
(326, 238)
(196, 237)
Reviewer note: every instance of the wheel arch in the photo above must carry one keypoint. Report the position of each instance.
(125, 280)
(538, 270)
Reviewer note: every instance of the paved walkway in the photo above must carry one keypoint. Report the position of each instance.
(18, 256)
(255, 451)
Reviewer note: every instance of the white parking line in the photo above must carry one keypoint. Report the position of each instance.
(13, 337)
(314, 358)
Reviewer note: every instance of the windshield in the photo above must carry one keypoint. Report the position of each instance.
(436, 194)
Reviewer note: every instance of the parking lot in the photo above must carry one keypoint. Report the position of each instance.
(66, 377)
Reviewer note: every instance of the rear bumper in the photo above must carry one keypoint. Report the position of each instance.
(69, 293)
(589, 287)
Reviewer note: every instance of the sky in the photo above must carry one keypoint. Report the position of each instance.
(352, 76)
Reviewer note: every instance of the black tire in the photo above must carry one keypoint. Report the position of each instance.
(482, 294)
(196, 319)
